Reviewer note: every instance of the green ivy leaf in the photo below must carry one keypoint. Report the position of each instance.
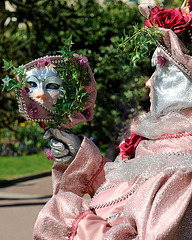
(138, 43)
(68, 42)
(6, 82)
(7, 65)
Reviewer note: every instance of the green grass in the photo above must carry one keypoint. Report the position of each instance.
(20, 166)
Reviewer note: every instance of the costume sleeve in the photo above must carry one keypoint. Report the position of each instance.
(62, 219)
(159, 209)
(84, 175)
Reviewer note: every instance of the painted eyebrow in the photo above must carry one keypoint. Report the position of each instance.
(55, 77)
(32, 76)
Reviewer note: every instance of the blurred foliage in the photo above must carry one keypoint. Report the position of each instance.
(26, 138)
(172, 3)
(37, 28)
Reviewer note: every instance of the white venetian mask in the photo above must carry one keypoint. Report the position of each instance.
(171, 89)
(44, 86)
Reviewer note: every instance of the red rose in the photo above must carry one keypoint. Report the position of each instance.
(174, 19)
(127, 149)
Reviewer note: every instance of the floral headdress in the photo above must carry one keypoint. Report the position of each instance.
(77, 93)
(175, 26)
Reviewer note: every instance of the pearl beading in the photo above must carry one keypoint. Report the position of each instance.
(114, 216)
(33, 63)
(190, 35)
(46, 108)
(101, 188)
(134, 188)
(121, 198)
(23, 109)
(175, 154)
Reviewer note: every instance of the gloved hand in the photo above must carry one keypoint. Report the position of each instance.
(64, 146)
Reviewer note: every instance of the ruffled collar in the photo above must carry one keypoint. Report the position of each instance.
(146, 167)
(151, 127)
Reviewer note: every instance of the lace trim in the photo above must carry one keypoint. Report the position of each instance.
(148, 166)
(76, 222)
(151, 127)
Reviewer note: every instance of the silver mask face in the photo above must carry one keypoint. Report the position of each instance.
(45, 85)
(171, 89)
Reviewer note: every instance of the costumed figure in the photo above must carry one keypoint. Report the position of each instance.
(146, 197)
(149, 196)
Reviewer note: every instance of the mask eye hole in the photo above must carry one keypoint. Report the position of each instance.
(32, 84)
(52, 86)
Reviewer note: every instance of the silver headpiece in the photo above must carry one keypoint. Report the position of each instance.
(42, 73)
(171, 88)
